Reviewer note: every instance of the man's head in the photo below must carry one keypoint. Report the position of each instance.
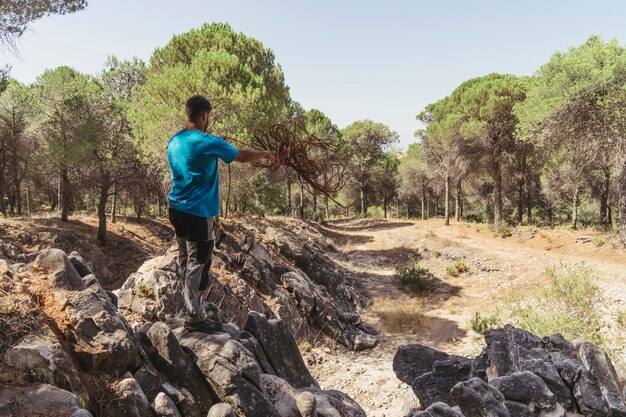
(198, 109)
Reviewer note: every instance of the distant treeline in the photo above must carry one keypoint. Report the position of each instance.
(545, 149)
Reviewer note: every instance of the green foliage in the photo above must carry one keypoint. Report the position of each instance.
(411, 278)
(457, 268)
(375, 212)
(621, 318)
(239, 76)
(569, 306)
(143, 291)
(503, 231)
(481, 323)
(597, 241)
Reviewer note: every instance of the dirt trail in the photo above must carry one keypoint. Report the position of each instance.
(372, 249)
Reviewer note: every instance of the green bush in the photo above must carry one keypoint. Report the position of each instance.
(457, 268)
(503, 231)
(143, 291)
(597, 241)
(480, 323)
(375, 212)
(410, 277)
(569, 306)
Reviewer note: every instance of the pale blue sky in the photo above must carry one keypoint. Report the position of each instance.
(351, 59)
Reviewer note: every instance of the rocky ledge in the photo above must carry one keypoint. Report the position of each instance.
(517, 375)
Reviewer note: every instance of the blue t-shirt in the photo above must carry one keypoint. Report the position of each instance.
(192, 156)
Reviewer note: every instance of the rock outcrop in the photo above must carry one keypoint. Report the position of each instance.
(96, 360)
(518, 374)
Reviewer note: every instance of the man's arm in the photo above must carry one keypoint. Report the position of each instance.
(247, 156)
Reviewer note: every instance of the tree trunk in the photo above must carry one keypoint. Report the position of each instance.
(575, 208)
(622, 206)
(529, 208)
(28, 201)
(497, 190)
(604, 197)
(362, 191)
(327, 203)
(427, 205)
(385, 206)
(314, 206)
(102, 215)
(289, 205)
(458, 209)
(64, 195)
(114, 207)
(301, 200)
(447, 201)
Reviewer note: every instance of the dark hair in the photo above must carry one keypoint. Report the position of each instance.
(196, 106)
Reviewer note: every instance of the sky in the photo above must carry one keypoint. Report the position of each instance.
(353, 60)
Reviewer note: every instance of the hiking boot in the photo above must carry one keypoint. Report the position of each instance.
(207, 326)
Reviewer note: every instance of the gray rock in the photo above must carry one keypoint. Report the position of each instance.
(104, 338)
(188, 407)
(61, 270)
(81, 413)
(81, 265)
(307, 404)
(222, 410)
(365, 341)
(132, 399)
(168, 356)
(435, 386)
(44, 360)
(589, 396)
(437, 410)
(280, 349)
(163, 406)
(597, 362)
(527, 388)
(36, 398)
(411, 361)
(5, 269)
(231, 371)
(521, 410)
(149, 382)
(476, 398)
(282, 395)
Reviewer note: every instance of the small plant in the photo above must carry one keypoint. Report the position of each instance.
(503, 231)
(597, 241)
(437, 253)
(430, 233)
(480, 324)
(412, 278)
(621, 318)
(306, 346)
(457, 268)
(143, 291)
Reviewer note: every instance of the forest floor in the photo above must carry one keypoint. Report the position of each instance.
(497, 266)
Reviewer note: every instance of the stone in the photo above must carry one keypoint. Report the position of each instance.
(435, 386)
(5, 269)
(168, 356)
(149, 382)
(280, 349)
(589, 396)
(188, 407)
(36, 398)
(517, 409)
(282, 395)
(438, 409)
(80, 264)
(176, 395)
(365, 341)
(81, 413)
(56, 262)
(104, 338)
(597, 363)
(44, 360)
(163, 406)
(476, 398)
(307, 404)
(132, 399)
(254, 347)
(527, 388)
(222, 410)
(411, 361)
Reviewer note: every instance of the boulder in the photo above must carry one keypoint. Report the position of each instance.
(132, 399)
(527, 388)
(411, 361)
(221, 410)
(36, 398)
(5, 269)
(435, 386)
(438, 410)
(44, 360)
(80, 264)
(163, 406)
(62, 272)
(476, 398)
(280, 349)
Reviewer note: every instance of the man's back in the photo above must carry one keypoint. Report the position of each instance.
(192, 157)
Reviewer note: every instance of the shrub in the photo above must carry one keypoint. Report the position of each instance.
(503, 231)
(597, 241)
(621, 318)
(143, 291)
(457, 268)
(410, 277)
(437, 253)
(480, 323)
(569, 306)
(375, 212)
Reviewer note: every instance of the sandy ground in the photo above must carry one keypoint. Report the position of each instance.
(372, 249)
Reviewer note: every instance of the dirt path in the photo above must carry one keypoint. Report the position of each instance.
(372, 249)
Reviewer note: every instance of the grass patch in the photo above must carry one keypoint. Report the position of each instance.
(457, 268)
(411, 278)
(621, 318)
(18, 318)
(568, 306)
(481, 323)
(143, 291)
(400, 317)
(503, 231)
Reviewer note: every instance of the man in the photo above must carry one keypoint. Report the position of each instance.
(194, 203)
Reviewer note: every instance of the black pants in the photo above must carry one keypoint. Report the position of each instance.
(195, 249)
